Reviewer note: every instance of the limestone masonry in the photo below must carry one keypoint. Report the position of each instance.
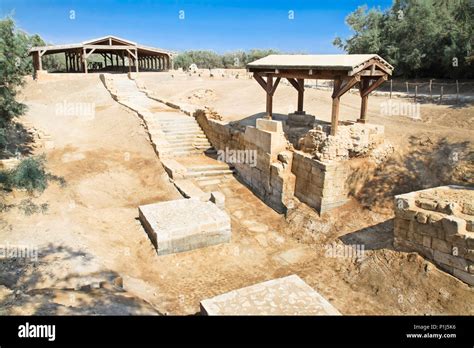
(439, 224)
(184, 224)
(284, 296)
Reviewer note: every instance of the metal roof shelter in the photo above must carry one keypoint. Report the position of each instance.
(109, 47)
(368, 71)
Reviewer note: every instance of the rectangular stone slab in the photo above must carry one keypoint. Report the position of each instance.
(284, 296)
(184, 224)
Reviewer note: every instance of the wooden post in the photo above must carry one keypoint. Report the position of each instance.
(129, 62)
(65, 59)
(407, 87)
(84, 60)
(300, 97)
(269, 107)
(457, 91)
(136, 60)
(391, 88)
(416, 92)
(334, 115)
(431, 90)
(363, 85)
(441, 95)
(335, 107)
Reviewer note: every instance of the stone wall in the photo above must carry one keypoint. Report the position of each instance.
(352, 140)
(322, 186)
(282, 173)
(270, 178)
(438, 223)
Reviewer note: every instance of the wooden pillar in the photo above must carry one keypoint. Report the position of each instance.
(136, 61)
(84, 60)
(300, 96)
(363, 109)
(335, 107)
(129, 62)
(363, 85)
(269, 107)
(65, 59)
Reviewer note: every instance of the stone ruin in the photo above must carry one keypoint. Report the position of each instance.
(297, 157)
(439, 224)
(185, 224)
(284, 296)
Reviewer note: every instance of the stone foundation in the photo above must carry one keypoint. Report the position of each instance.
(438, 223)
(285, 296)
(184, 224)
(323, 176)
(322, 186)
(270, 178)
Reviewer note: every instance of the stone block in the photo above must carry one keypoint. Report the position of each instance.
(184, 224)
(284, 296)
(269, 125)
(269, 142)
(464, 276)
(189, 190)
(441, 245)
(218, 199)
(453, 225)
(450, 260)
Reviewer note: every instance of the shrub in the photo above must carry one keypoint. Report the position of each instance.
(29, 174)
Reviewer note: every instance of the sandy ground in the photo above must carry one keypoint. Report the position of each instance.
(91, 232)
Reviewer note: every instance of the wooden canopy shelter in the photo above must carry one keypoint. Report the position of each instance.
(368, 71)
(116, 52)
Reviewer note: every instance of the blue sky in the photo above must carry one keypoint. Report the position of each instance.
(218, 25)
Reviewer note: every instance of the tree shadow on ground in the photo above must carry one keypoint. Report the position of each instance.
(86, 293)
(375, 237)
(19, 141)
(425, 164)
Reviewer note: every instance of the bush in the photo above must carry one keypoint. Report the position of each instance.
(30, 175)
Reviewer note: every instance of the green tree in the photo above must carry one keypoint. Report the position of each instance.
(419, 37)
(13, 66)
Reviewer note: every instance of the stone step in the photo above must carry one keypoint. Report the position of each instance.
(180, 147)
(184, 132)
(180, 137)
(204, 181)
(180, 153)
(202, 168)
(209, 173)
(193, 140)
(166, 122)
(180, 128)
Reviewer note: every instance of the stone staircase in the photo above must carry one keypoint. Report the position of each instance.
(178, 139)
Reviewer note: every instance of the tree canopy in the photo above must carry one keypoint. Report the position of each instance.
(421, 38)
(209, 59)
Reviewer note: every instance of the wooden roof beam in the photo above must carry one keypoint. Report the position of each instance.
(373, 86)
